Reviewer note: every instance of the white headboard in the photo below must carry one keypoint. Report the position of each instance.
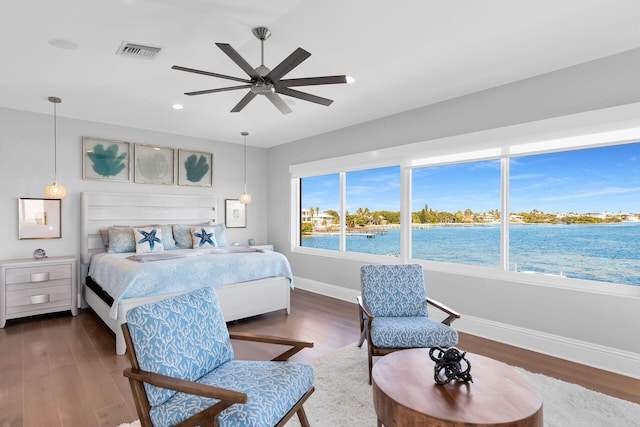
(99, 211)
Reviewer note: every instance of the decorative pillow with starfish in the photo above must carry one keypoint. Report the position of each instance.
(148, 240)
(203, 237)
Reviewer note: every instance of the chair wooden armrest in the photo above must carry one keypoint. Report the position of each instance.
(206, 417)
(364, 308)
(296, 345)
(185, 386)
(453, 315)
(366, 317)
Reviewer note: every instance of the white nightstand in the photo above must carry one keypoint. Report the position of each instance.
(29, 286)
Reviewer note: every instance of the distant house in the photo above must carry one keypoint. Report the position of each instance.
(319, 220)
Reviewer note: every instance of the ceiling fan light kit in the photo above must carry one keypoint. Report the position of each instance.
(267, 82)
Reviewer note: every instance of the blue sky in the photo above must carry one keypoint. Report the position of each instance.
(591, 180)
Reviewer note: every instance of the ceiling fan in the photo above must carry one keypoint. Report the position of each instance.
(264, 81)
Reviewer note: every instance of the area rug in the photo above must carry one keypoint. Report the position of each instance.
(343, 398)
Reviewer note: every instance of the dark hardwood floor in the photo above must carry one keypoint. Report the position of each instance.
(59, 370)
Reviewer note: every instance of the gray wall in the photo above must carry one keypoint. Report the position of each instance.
(605, 320)
(26, 166)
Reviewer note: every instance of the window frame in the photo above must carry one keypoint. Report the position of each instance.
(424, 154)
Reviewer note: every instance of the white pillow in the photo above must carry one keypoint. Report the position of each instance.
(203, 237)
(148, 240)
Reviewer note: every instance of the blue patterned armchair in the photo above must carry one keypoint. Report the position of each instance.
(183, 371)
(393, 311)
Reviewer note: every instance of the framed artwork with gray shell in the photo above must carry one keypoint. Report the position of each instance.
(106, 159)
(195, 168)
(153, 164)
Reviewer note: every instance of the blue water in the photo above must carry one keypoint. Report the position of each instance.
(607, 253)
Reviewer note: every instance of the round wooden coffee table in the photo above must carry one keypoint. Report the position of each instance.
(405, 394)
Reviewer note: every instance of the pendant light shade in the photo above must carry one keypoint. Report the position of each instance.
(55, 190)
(245, 198)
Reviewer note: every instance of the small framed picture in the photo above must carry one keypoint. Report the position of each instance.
(39, 218)
(106, 159)
(195, 168)
(235, 214)
(154, 164)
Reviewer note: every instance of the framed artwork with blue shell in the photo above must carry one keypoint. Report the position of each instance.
(106, 159)
(195, 168)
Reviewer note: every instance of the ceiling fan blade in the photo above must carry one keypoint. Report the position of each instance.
(243, 102)
(208, 73)
(305, 96)
(288, 64)
(310, 81)
(221, 89)
(279, 103)
(239, 60)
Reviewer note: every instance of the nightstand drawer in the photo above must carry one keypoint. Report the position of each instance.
(40, 273)
(38, 298)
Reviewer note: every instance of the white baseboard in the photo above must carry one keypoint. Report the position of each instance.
(582, 352)
(333, 291)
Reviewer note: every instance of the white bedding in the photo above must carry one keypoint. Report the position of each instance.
(182, 270)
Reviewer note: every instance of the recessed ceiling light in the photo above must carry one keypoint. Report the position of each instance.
(63, 44)
(177, 106)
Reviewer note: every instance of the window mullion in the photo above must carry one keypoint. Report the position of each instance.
(504, 214)
(405, 214)
(343, 213)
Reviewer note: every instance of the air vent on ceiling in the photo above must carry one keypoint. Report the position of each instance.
(138, 50)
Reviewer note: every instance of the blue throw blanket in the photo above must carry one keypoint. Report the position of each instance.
(181, 271)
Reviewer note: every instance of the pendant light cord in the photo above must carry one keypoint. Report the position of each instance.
(245, 163)
(55, 144)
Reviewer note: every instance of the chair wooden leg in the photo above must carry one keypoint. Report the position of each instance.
(370, 362)
(302, 416)
(362, 327)
(363, 335)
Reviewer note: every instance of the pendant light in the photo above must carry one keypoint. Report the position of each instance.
(245, 198)
(55, 190)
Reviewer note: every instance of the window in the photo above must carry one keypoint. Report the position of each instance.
(373, 211)
(319, 212)
(521, 208)
(456, 213)
(574, 214)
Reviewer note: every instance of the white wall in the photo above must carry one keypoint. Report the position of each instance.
(26, 166)
(590, 327)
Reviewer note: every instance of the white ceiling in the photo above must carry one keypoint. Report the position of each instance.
(404, 54)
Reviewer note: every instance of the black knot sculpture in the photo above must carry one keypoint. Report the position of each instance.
(450, 365)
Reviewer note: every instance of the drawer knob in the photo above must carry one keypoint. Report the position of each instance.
(39, 299)
(40, 277)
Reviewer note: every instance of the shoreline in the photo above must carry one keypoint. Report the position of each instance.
(380, 228)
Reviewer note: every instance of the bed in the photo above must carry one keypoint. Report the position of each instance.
(259, 289)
